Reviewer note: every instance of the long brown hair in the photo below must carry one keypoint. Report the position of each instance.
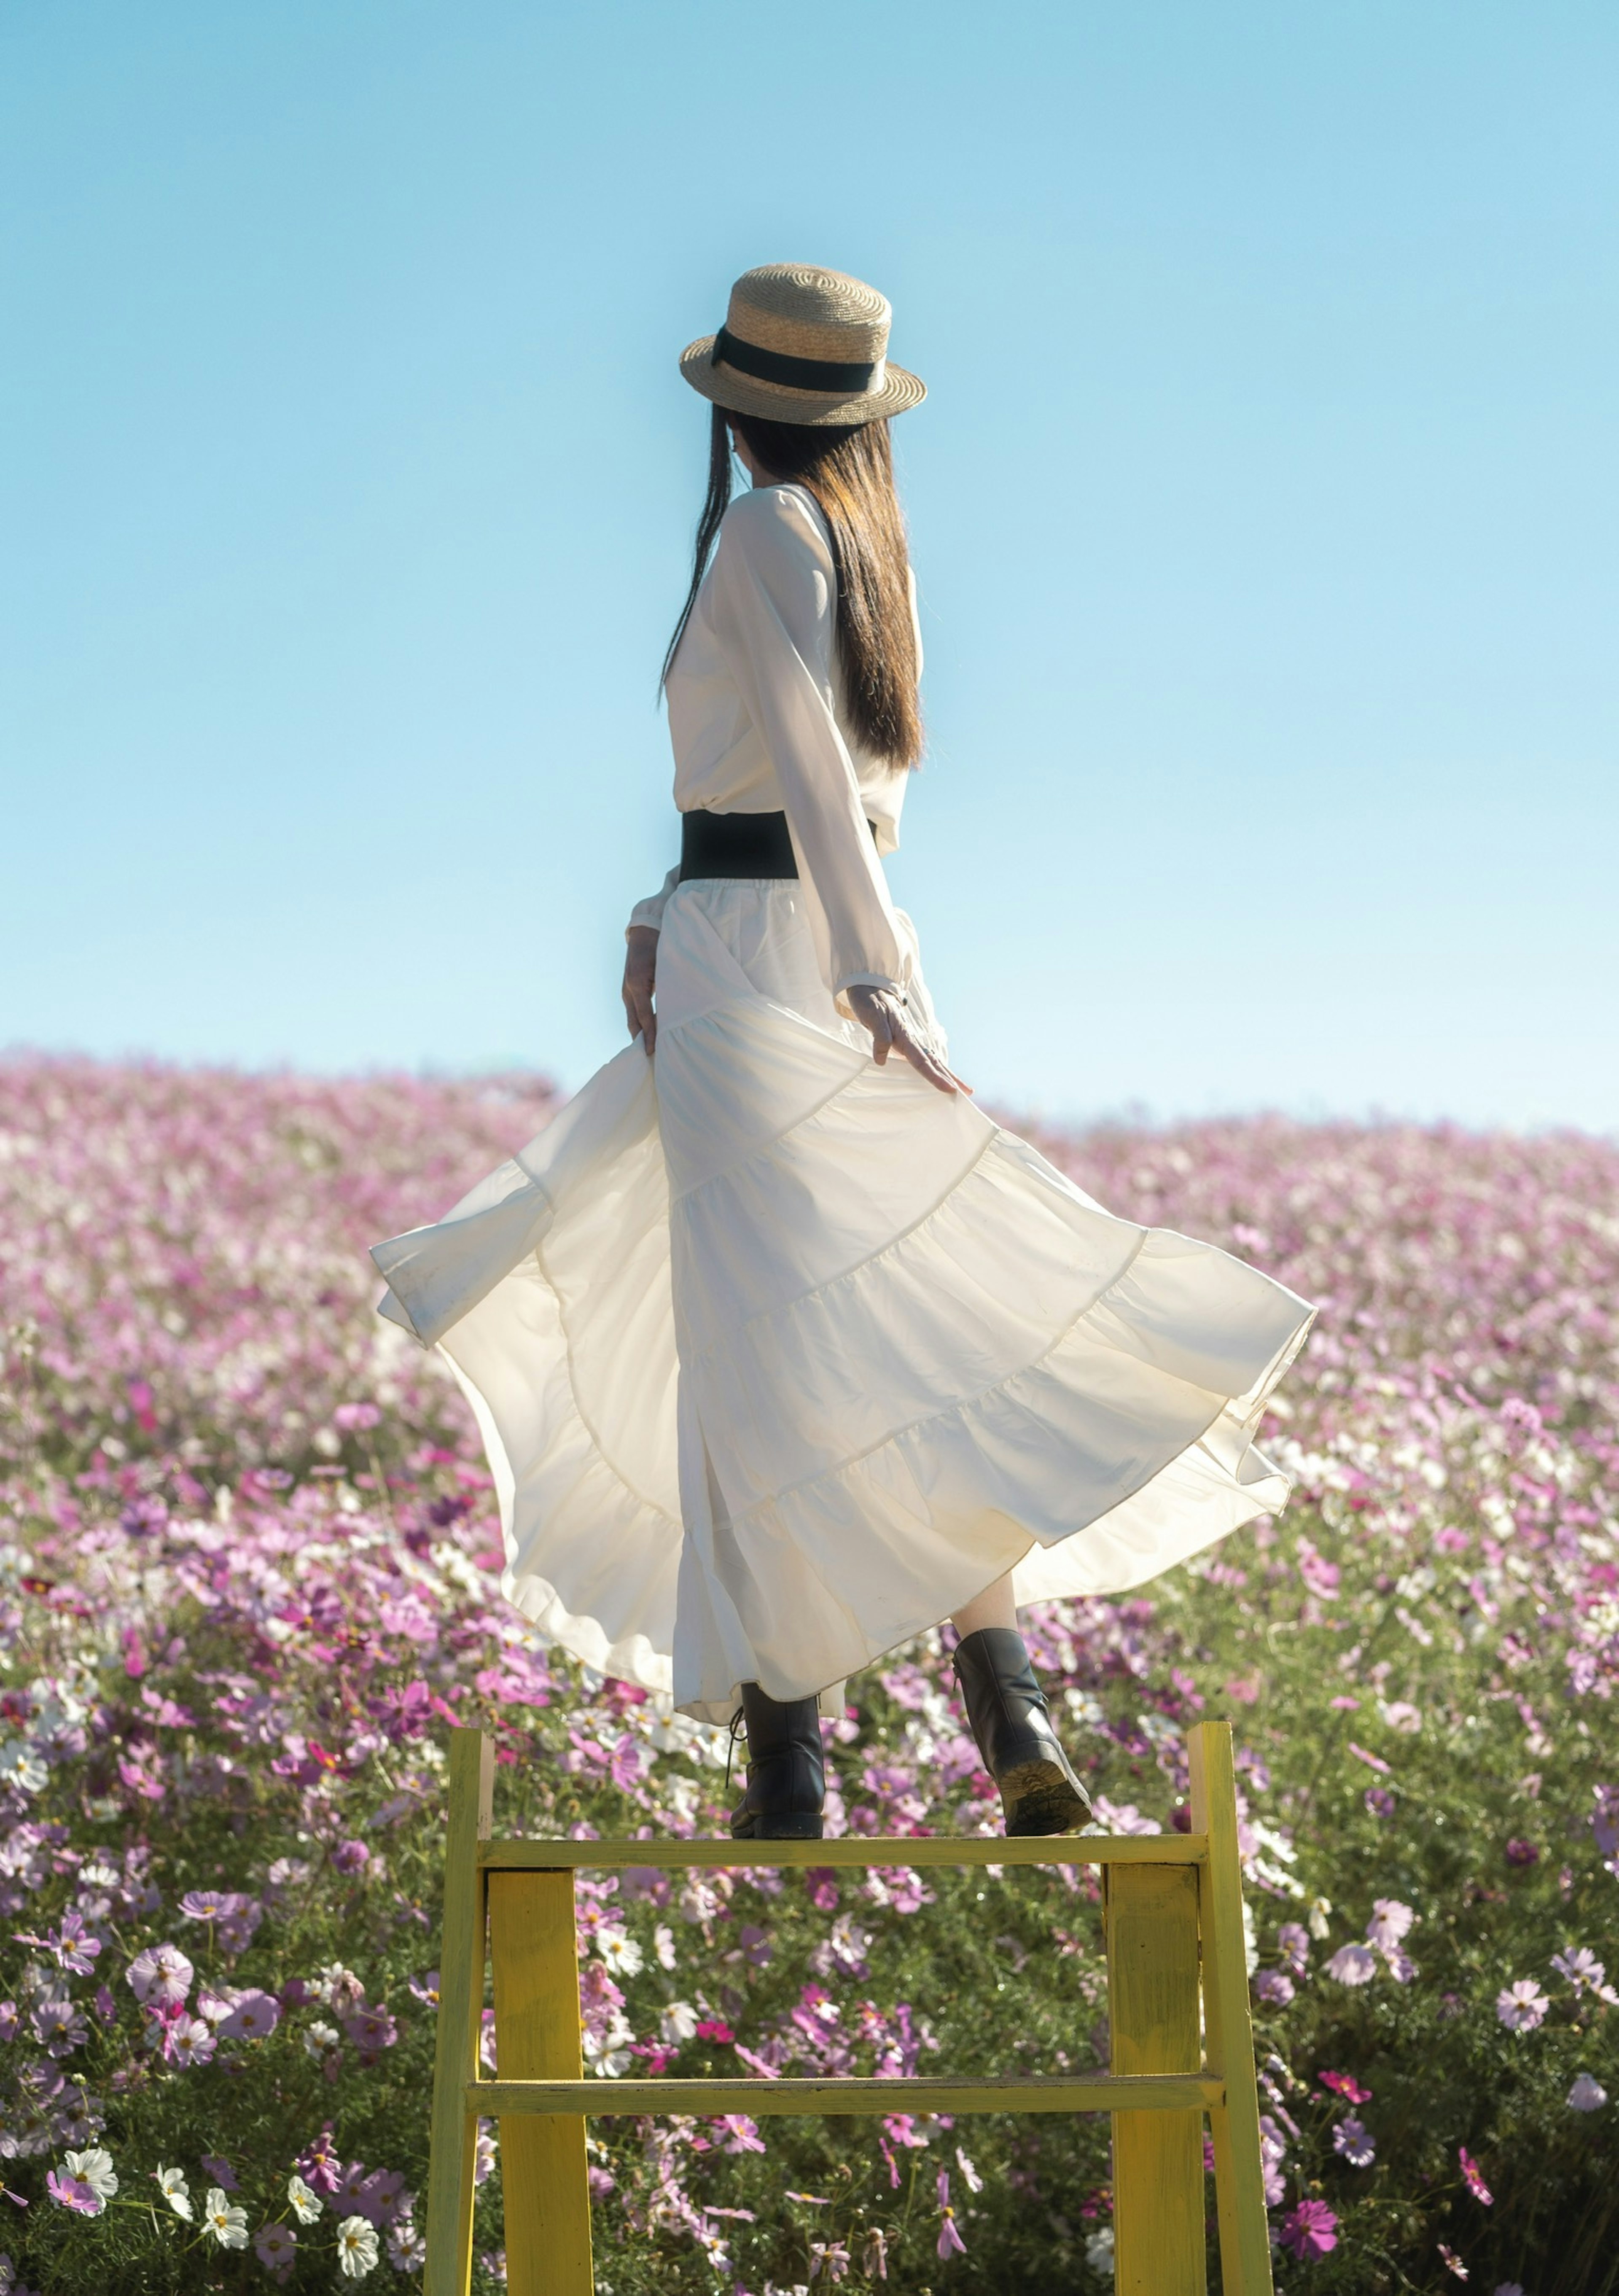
(850, 472)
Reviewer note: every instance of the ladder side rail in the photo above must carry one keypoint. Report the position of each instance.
(1150, 1916)
(543, 2175)
(1245, 2238)
(460, 1996)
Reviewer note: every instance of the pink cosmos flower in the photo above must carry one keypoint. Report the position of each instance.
(1522, 2006)
(1390, 1923)
(207, 1905)
(1452, 2262)
(76, 2193)
(950, 2242)
(1522, 1853)
(1379, 1801)
(1580, 1965)
(372, 2030)
(188, 2041)
(60, 2024)
(1274, 1985)
(1310, 2230)
(1344, 2085)
(74, 1948)
(1273, 2158)
(1293, 1944)
(161, 1973)
(1352, 2139)
(741, 2134)
(1352, 1964)
(1587, 2095)
(254, 2017)
(275, 2245)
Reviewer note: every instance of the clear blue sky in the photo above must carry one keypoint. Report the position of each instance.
(1264, 511)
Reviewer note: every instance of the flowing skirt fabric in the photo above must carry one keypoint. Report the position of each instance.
(780, 1356)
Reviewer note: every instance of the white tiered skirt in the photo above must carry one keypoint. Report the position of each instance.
(780, 1356)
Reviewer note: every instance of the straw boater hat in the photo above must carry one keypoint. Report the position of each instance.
(802, 345)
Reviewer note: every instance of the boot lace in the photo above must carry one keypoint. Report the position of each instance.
(736, 1731)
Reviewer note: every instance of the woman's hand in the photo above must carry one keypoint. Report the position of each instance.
(884, 1014)
(640, 975)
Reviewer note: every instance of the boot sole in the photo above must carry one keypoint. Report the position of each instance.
(1038, 1798)
(795, 1825)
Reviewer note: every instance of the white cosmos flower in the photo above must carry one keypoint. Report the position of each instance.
(677, 2023)
(21, 1768)
(663, 1945)
(96, 2167)
(621, 1954)
(1586, 2095)
(306, 2201)
(227, 2225)
(356, 2247)
(172, 2185)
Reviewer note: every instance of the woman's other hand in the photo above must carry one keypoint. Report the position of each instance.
(639, 976)
(884, 1014)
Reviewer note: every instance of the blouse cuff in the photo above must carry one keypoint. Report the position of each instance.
(650, 912)
(840, 999)
(872, 980)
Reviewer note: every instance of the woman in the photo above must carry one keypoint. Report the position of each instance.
(783, 1352)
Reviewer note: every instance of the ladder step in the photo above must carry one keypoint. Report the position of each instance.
(1010, 2093)
(892, 1849)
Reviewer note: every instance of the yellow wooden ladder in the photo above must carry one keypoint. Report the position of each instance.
(1183, 2046)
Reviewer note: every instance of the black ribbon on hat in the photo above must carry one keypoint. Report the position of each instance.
(800, 373)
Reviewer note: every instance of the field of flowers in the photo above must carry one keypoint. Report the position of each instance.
(245, 1583)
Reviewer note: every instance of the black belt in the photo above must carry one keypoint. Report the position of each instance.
(737, 845)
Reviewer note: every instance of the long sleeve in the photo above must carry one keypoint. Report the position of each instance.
(774, 613)
(650, 912)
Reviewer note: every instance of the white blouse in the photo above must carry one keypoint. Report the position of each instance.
(756, 719)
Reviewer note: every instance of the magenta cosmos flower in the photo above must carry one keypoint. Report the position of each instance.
(1474, 2182)
(1310, 2231)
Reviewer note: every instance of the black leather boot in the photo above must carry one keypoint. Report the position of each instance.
(786, 1777)
(1012, 1725)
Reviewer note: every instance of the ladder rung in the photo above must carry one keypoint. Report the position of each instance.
(897, 1849)
(1010, 2093)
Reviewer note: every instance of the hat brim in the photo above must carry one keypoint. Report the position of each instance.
(776, 402)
